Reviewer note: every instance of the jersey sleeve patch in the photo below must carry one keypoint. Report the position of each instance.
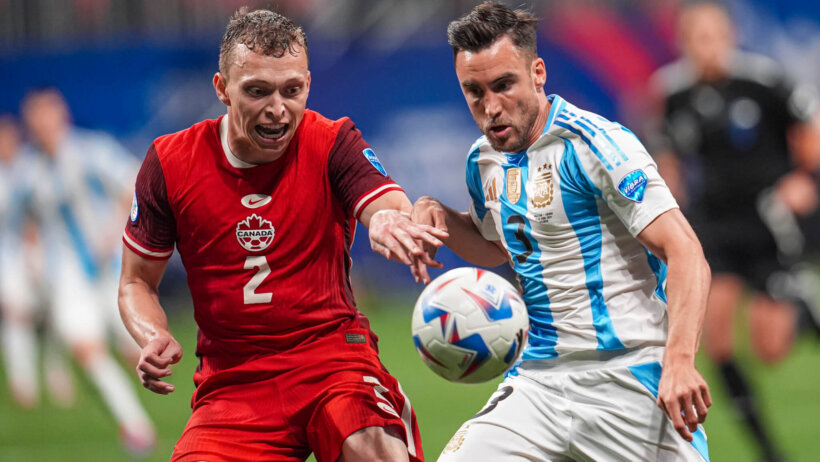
(633, 185)
(135, 209)
(374, 161)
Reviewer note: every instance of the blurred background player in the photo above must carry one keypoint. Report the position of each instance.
(16, 296)
(21, 268)
(740, 149)
(71, 188)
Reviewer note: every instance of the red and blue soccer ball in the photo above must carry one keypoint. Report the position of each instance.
(470, 325)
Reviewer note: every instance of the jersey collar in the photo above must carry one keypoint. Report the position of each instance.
(226, 148)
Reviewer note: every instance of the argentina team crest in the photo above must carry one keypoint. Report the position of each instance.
(543, 189)
(255, 233)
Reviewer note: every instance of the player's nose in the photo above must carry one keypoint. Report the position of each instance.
(275, 109)
(492, 106)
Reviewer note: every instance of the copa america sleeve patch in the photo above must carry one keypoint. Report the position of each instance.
(135, 209)
(374, 161)
(633, 185)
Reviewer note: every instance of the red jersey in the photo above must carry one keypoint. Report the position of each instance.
(266, 248)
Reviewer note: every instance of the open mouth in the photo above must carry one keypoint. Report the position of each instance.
(272, 132)
(500, 130)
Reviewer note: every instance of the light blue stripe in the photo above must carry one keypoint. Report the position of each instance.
(78, 239)
(578, 194)
(593, 134)
(659, 268)
(543, 336)
(649, 375)
(606, 135)
(587, 141)
(474, 182)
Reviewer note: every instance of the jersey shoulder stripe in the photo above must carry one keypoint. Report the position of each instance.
(474, 178)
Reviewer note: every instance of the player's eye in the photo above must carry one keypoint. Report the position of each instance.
(255, 92)
(475, 92)
(293, 91)
(504, 85)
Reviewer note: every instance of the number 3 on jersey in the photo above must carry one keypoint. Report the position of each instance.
(251, 297)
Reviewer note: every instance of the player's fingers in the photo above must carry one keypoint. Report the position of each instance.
(673, 410)
(439, 233)
(158, 360)
(396, 251)
(406, 240)
(151, 370)
(439, 221)
(707, 397)
(158, 386)
(689, 415)
(423, 274)
(700, 406)
(414, 270)
(425, 234)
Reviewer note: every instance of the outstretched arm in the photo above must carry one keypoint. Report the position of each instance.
(396, 237)
(146, 321)
(682, 392)
(463, 237)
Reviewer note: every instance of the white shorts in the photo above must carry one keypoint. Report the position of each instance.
(74, 301)
(596, 412)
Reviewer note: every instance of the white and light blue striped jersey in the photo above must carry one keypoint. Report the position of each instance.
(13, 175)
(73, 195)
(567, 210)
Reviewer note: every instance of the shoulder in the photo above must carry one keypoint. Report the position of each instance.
(672, 78)
(757, 69)
(597, 140)
(322, 131)
(180, 145)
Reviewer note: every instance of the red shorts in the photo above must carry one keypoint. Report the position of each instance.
(282, 407)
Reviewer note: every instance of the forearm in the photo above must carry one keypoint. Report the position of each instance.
(141, 312)
(468, 243)
(687, 287)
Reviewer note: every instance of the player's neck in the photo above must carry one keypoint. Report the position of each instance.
(229, 147)
(540, 120)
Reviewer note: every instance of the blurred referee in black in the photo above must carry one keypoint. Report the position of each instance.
(738, 147)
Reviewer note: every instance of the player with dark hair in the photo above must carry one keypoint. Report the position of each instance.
(262, 205)
(575, 203)
(727, 121)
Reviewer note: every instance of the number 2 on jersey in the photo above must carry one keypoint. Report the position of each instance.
(263, 270)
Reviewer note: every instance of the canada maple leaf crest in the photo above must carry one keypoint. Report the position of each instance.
(254, 233)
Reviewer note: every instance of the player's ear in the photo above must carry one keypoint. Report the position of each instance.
(219, 86)
(307, 85)
(539, 73)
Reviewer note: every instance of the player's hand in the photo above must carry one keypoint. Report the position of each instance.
(429, 211)
(155, 358)
(396, 237)
(684, 396)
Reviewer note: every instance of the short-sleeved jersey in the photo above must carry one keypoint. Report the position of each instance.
(567, 210)
(266, 248)
(72, 196)
(732, 133)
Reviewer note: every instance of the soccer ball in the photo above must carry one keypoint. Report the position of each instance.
(470, 325)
